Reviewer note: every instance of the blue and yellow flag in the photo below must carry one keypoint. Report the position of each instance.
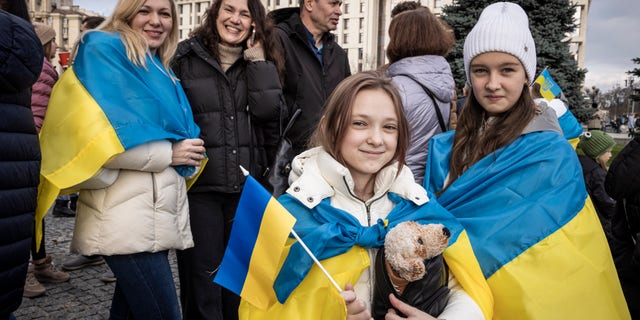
(549, 89)
(252, 259)
(102, 106)
(533, 229)
(340, 242)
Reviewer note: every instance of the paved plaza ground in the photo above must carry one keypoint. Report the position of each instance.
(82, 297)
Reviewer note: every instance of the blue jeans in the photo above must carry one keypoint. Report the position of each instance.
(144, 287)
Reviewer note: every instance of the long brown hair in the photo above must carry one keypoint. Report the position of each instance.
(335, 120)
(474, 138)
(207, 33)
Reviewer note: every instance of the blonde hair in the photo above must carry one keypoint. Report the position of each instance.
(135, 44)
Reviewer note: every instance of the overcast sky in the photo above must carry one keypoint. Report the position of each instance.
(613, 38)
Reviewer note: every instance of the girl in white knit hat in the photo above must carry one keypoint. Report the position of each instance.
(516, 185)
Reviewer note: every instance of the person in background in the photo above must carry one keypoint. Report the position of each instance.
(349, 183)
(41, 90)
(515, 184)
(596, 146)
(42, 268)
(22, 57)
(230, 69)
(622, 183)
(418, 43)
(79, 261)
(404, 6)
(314, 62)
(119, 129)
(90, 23)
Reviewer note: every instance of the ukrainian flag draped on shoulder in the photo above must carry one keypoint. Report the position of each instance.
(533, 229)
(102, 106)
(339, 241)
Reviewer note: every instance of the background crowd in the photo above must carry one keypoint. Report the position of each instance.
(142, 137)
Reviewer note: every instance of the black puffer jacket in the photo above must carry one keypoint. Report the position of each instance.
(623, 184)
(308, 83)
(20, 64)
(429, 294)
(234, 111)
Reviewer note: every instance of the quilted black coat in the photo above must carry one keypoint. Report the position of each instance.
(20, 64)
(238, 112)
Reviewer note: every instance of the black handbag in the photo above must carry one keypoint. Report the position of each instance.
(278, 174)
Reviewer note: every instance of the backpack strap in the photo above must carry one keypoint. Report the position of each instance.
(443, 127)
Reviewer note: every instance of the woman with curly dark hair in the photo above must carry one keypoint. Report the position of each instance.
(230, 69)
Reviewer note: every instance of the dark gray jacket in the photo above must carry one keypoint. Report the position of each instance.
(237, 111)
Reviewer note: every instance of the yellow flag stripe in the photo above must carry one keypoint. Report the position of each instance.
(573, 273)
(263, 268)
(463, 264)
(67, 161)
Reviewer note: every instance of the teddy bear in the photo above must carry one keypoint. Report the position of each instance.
(411, 266)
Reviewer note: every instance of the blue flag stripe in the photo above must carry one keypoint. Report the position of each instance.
(244, 234)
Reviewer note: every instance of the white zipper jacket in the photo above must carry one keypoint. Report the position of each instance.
(316, 175)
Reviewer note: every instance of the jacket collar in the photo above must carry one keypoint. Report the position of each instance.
(317, 175)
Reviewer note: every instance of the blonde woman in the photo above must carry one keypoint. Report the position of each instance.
(119, 129)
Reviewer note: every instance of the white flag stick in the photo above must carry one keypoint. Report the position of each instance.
(316, 260)
(304, 246)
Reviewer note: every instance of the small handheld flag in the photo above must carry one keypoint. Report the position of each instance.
(260, 229)
(549, 89)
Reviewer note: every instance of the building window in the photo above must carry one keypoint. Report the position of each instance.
(361, 23)
(277, 2)
(346, 8)
(437, 4)
(360, 53)
(359, 66)
(362, 7)
(344, 38)
(345, 23)
(360, 37)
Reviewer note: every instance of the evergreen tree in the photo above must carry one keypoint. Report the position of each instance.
(636, 71)
(549, 20)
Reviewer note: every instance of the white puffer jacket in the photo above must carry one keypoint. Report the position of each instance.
(316, 175)
(136, 203)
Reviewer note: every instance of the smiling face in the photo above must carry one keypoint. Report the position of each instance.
(497, 79)
(372, 136)
(154, 22)
(324, 15)
(233, 22)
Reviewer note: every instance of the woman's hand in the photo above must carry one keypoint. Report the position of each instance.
(411, 312)
(356, 308)
(187, 152)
